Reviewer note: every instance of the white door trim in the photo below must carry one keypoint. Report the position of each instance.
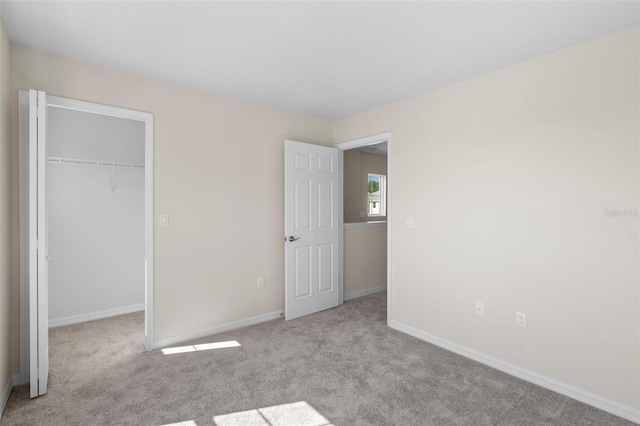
(89, 107)
(357, 143)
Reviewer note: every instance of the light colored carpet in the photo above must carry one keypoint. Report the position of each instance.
(342, 366)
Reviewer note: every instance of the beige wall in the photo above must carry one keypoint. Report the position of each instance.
(218, 174)
(357, 166)
(509, 176)
(365, 258)
(6, 369)
(351, 186)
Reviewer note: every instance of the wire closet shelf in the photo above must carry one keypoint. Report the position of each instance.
(94, 163)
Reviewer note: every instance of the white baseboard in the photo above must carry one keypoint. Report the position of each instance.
(90, 316)
(163, 343)
(158, 344)
(18, 380)
(581, 395)
(366, 292)
(6, 392)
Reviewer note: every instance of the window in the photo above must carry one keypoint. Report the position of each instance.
(377, 195)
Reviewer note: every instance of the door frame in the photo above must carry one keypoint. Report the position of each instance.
(358, 143)
(23, 127)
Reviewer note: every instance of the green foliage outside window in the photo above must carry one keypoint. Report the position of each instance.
(373, 186)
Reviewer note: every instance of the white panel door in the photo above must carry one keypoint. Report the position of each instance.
(311, 228)
(38, 263)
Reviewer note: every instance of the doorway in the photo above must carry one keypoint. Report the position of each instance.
(86, 170)
(366, 214)
(95, 216)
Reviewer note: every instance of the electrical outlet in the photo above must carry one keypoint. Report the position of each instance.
(521, 319)
(260, 282)
(480, 308)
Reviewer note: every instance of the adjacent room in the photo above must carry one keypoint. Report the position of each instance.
(365, 226)
(319, 213)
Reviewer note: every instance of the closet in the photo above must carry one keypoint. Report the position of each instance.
(95, 215)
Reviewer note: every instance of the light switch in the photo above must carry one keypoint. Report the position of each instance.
(164, 220)
(410, 222)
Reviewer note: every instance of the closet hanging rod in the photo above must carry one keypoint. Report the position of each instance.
(94, 163)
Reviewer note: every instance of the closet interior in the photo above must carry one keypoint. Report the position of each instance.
(95, 215)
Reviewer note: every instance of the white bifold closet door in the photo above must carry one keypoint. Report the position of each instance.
(38, 256)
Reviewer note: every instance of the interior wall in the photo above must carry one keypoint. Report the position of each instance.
(365, 258)
(7, 370)
(357, 166)
(351, 185)
(218, 174)
(95, 232)
(524, 184)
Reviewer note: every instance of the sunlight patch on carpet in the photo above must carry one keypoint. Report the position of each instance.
(187, 423)
(292, 414)
(200, 347)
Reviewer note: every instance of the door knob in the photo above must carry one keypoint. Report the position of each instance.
(292, 238)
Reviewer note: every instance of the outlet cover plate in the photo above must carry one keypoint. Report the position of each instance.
(521, 319)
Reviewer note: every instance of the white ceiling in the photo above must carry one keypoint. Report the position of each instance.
(381, 148)
(328, 59)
